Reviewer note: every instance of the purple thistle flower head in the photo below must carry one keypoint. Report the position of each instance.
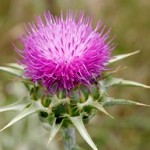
(64, 52)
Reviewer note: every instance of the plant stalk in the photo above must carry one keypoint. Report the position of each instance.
(69, 138)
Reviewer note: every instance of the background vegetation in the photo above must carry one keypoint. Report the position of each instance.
(129, 20)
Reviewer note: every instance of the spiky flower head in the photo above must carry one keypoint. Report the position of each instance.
(63, 52)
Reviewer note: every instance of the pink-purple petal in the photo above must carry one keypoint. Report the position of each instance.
(65, 52)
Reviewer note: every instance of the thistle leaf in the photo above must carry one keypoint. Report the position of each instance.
(16, 65)
(13, 71)
(108, 101)
(92, 103)
(122, 56)
(56, 101)
(28, 111)
(111, 81)
(54, 130)
(16, 106)
(100, 108)
(78, 123)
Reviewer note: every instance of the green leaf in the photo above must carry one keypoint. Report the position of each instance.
(16, 106)
(28, 111)
(78, 123)
(57, 101)
(16, 65)
(100, 108)
(54, 130)
(13, 71)
(111, 81)
(122, 56)
(92, 103)
(108, 101)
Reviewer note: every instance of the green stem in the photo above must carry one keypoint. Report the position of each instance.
(69, 138)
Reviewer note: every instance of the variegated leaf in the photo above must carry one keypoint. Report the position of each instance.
(100, 108)
(122, 56)
(16, 106)
(108, 101)
(28, 111)
(16, 65)
(78, 123)
(54, 130)
(111, 81)
(13, 71)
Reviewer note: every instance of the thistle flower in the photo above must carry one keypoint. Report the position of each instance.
(63, 52)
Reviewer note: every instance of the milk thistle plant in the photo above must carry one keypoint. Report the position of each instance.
(65, 68)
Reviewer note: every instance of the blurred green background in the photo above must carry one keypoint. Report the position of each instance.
(130, 23)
